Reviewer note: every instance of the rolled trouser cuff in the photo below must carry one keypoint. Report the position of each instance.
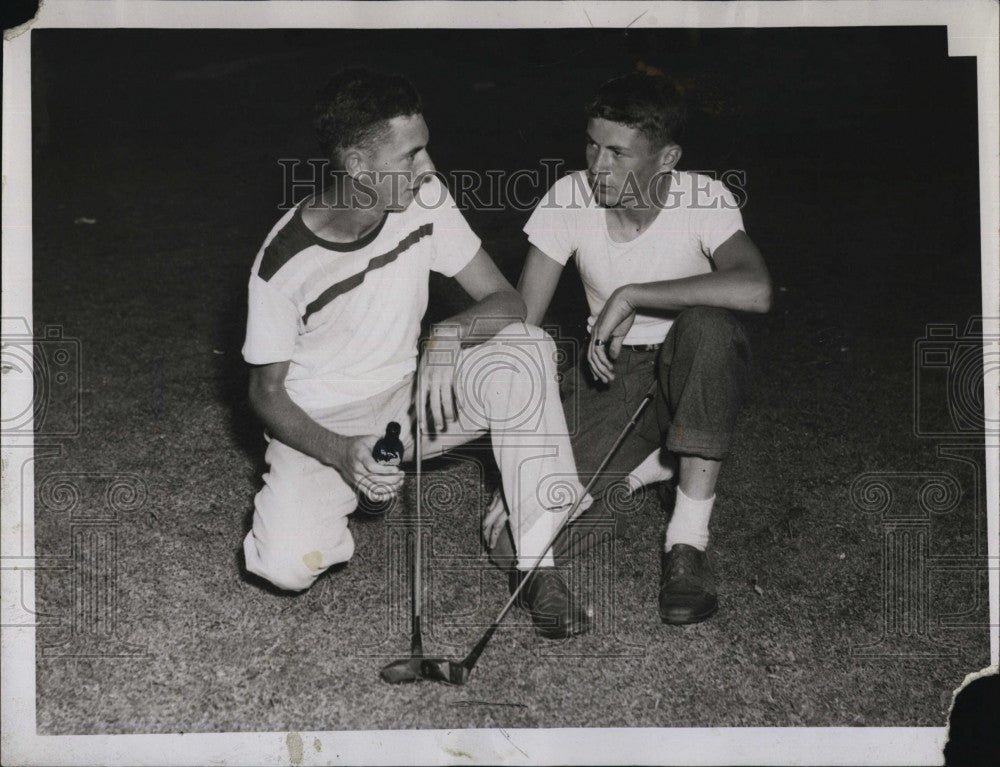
(713, 445)
(704, 371)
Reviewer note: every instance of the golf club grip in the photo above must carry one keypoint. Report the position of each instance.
(473, 656)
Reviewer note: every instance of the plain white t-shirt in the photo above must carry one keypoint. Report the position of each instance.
(700, 214)
(347, 315)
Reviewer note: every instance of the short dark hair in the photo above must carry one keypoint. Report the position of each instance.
(650, 103)
(356, 104)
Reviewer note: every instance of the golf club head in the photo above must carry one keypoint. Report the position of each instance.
(424, 670)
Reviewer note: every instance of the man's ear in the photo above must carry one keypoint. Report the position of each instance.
(670, 155)
(354, 162)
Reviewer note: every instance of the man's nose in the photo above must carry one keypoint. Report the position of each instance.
(599, 164)
(426, 166)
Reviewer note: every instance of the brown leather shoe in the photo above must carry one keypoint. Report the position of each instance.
(553, 609)
(687, 586)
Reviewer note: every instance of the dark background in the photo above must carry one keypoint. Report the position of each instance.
(825, 123)
(859, 147)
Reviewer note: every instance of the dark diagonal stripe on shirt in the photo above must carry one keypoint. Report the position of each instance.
(286, 244)
(345, 286)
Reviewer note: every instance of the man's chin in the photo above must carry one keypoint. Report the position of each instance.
(604, 197)
(608, 200)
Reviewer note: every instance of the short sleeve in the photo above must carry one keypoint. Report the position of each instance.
(454, 242)
(715, 214)
(552, 226)
(272, 324)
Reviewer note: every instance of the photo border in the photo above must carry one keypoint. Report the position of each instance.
(972, 31)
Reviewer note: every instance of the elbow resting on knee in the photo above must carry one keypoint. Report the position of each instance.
(763, 298)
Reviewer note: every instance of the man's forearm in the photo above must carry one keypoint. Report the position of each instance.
(483, 320)
(290, 424)
(735, 289)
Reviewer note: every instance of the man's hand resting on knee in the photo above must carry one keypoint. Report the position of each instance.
(607, 335)
(497, 305)
(437, 374)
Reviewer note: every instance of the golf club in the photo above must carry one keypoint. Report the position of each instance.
(416, 667)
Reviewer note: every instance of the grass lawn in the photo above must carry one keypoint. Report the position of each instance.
(175, 156)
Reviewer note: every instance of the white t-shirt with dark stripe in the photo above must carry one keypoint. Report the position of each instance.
(347, 315)
(700, 214)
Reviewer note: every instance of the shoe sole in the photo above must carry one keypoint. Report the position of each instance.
(687, 621)
(570, 635)
(548, 634)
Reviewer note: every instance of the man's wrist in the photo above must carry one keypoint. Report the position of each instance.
(334, 450)
(626, 295)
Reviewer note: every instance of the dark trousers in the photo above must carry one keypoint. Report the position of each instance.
(701, 375)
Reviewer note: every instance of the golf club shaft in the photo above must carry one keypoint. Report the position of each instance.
(416, 641)
(473, 656)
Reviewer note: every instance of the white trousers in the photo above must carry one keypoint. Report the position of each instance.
(506, 385)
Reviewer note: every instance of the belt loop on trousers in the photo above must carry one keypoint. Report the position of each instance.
(642, 347)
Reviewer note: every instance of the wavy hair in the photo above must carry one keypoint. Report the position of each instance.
(354, 109)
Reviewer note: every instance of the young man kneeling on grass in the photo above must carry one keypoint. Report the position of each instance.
(664, 260)
(336, 296)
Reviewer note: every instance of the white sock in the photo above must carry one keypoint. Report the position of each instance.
(659, 466)
(689, 524)
(531, 542)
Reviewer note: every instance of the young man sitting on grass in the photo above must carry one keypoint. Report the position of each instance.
(336, 297)
(665, 261)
